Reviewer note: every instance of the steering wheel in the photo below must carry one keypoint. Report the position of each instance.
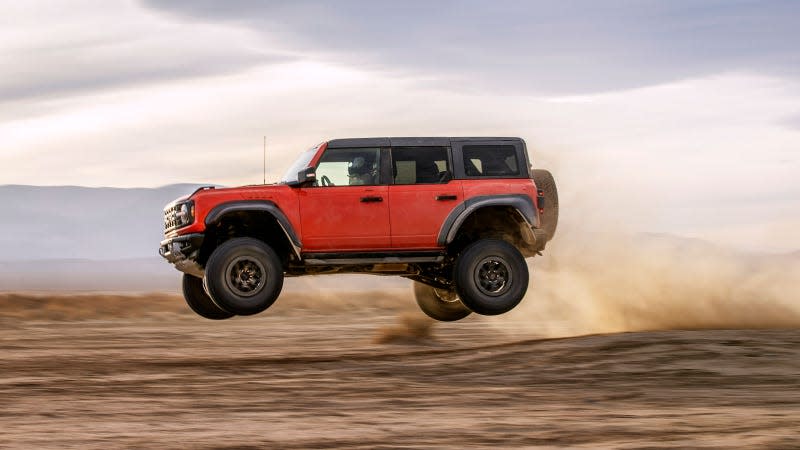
(325, 181)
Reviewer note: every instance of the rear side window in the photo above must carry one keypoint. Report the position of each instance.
(420, 165)
(490, 161)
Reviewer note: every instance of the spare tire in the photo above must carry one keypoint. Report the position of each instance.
(547, 184)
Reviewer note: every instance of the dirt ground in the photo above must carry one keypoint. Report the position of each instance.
(140, 371)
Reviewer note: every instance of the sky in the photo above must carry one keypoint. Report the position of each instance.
(678, 117)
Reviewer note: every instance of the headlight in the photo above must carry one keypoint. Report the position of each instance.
(184, 214)
(179, 215)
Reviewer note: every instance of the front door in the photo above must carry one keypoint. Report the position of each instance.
(348, 208)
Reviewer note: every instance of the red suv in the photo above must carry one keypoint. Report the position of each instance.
(456, 215)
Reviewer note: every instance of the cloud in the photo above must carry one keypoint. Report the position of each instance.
(526, 46)
(71, 71)
(50, 51)
(792, 122)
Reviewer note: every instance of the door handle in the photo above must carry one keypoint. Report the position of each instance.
(371, 199)
(442, 198)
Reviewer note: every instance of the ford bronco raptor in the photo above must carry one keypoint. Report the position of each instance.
(458, 216)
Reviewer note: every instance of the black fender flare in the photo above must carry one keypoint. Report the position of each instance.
(222, 209)
(523, 204)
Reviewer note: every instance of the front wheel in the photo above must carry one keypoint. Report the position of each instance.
(491, 277)
(439, 304)
(199, 301)
(244, 276)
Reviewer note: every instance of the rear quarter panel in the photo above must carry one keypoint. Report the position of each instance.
(475, 188)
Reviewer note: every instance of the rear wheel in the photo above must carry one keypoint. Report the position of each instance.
(199, 301)
(244, 276)
(439, 304)
(544, 180)
(491, 277)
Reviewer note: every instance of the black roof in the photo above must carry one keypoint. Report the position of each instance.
(409, 141)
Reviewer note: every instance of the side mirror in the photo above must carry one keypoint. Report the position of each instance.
(307, 175)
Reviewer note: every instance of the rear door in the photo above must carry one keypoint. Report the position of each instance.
(421, 196)
(348, 208)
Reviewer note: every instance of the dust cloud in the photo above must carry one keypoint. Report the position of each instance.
(412, 328)
(613, 282)
(604, 273)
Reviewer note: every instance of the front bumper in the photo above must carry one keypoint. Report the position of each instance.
(183, 252)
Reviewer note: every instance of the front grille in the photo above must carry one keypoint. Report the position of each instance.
(170, 218)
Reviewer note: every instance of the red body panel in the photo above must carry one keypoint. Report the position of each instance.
(417, 216)
(285, 197)
(320, 150)
(475, 188)
(336, 219)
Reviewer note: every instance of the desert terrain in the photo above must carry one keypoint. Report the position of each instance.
(621, 342)
(363, 369)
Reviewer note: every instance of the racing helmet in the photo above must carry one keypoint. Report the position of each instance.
(361, 171)
(358, 166)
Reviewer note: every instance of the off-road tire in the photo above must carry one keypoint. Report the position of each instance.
(439, 304)
(244, 276)
(199, 301)
(491, 277)
(544, 180)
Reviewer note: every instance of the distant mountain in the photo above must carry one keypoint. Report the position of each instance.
(70, 222)
(133, 275)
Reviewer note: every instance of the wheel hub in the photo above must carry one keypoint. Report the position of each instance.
(245, 276)
(493, 276)
(445, 296)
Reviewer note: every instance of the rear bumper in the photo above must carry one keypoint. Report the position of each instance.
(183, 251)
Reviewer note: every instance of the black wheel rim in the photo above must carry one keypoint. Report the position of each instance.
(493, 276)
(245, 276)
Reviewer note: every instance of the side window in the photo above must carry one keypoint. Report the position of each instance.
(349, 167)
(420, 165)
(490, 161)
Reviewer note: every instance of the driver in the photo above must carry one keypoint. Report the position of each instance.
(361, 172)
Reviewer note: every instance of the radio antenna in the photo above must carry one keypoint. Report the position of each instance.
(265, 160)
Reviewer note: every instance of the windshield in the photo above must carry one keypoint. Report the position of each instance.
(299, 164)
